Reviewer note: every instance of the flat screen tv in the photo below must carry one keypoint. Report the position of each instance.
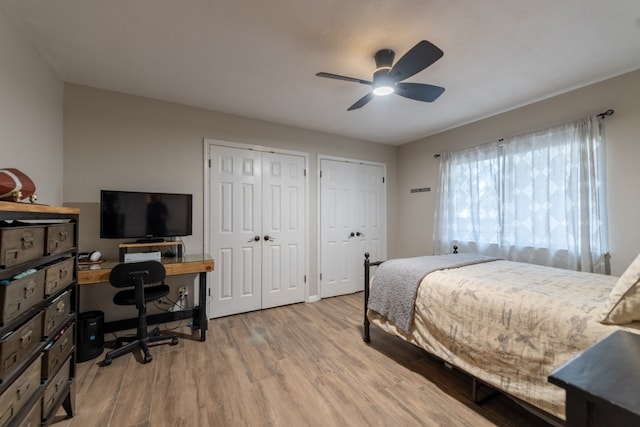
(144, 216)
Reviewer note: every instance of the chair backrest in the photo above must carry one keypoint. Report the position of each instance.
(126, 274)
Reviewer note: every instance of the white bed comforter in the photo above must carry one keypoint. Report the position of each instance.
(509, 324)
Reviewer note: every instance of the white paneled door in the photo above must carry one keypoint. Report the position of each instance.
(257, 230)
(283, 229)
(352, 222)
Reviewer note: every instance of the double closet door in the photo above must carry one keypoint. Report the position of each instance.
(257, 229)
(352, 206)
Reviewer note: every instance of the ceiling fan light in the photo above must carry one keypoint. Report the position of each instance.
(383, 90)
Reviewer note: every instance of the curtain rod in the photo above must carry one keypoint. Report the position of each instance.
(602, 115)
(609, 112)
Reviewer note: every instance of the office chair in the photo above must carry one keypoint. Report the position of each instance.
(134, 276)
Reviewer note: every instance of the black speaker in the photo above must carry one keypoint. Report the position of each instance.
(90, 335)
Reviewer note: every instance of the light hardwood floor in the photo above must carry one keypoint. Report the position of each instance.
(299, 365)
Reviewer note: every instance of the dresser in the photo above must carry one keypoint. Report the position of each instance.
(38, 308)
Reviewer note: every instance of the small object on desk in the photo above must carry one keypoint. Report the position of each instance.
(85, 257)
(89, 262)
(143, 256)
(602, 383)
(178, 245)
(90, 265)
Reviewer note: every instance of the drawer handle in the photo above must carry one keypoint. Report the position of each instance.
(14, 308)
(63, 345)
(59, 383)
(52, 285)
(60, 307)
(27, 240)
(23, 391)
(11, 255)
(25, 340)
(64, 272)
(7, 415)
(63, 236)
(29, 290)
(10, 361)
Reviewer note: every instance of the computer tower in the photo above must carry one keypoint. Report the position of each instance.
(90, 335)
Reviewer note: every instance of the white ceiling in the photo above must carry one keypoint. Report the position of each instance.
(258, 58)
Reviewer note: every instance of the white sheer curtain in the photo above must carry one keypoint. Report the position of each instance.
(538, 197)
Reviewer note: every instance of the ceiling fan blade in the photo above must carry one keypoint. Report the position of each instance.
(417, 59)
(419, 91)
(348, 79)
(362, 101)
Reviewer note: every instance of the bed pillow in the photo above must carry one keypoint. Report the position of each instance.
(623, 305)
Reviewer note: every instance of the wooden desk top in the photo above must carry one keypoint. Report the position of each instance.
(99, 273)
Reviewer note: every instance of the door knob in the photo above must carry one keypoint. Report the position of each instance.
(359, 234)
(255, 239)
(352, 234)
(268, 238)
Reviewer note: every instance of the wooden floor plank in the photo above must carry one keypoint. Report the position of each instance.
(136, 393)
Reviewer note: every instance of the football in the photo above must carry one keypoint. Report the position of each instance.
(16, 186)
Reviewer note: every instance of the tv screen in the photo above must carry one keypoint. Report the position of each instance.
(140, 215)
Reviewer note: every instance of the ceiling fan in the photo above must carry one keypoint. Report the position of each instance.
(387, 78)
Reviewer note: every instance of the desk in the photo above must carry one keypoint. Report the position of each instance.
(602, 383)
(187, 264)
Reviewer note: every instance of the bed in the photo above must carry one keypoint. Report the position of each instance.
(504, 323)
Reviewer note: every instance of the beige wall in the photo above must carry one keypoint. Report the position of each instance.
(30, 115)
(418, 168)
(125, 142)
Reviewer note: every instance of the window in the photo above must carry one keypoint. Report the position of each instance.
(537, 198)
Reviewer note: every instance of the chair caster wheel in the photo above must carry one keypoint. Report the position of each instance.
(147, 358)
(174, 341)
(106, 362)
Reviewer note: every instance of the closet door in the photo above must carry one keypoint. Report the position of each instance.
(283, 245)
(352, 204)
(236, 230)
(370, 214)
(369, 220)
(258, 229)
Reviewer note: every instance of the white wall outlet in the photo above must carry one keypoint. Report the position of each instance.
(183, 291)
